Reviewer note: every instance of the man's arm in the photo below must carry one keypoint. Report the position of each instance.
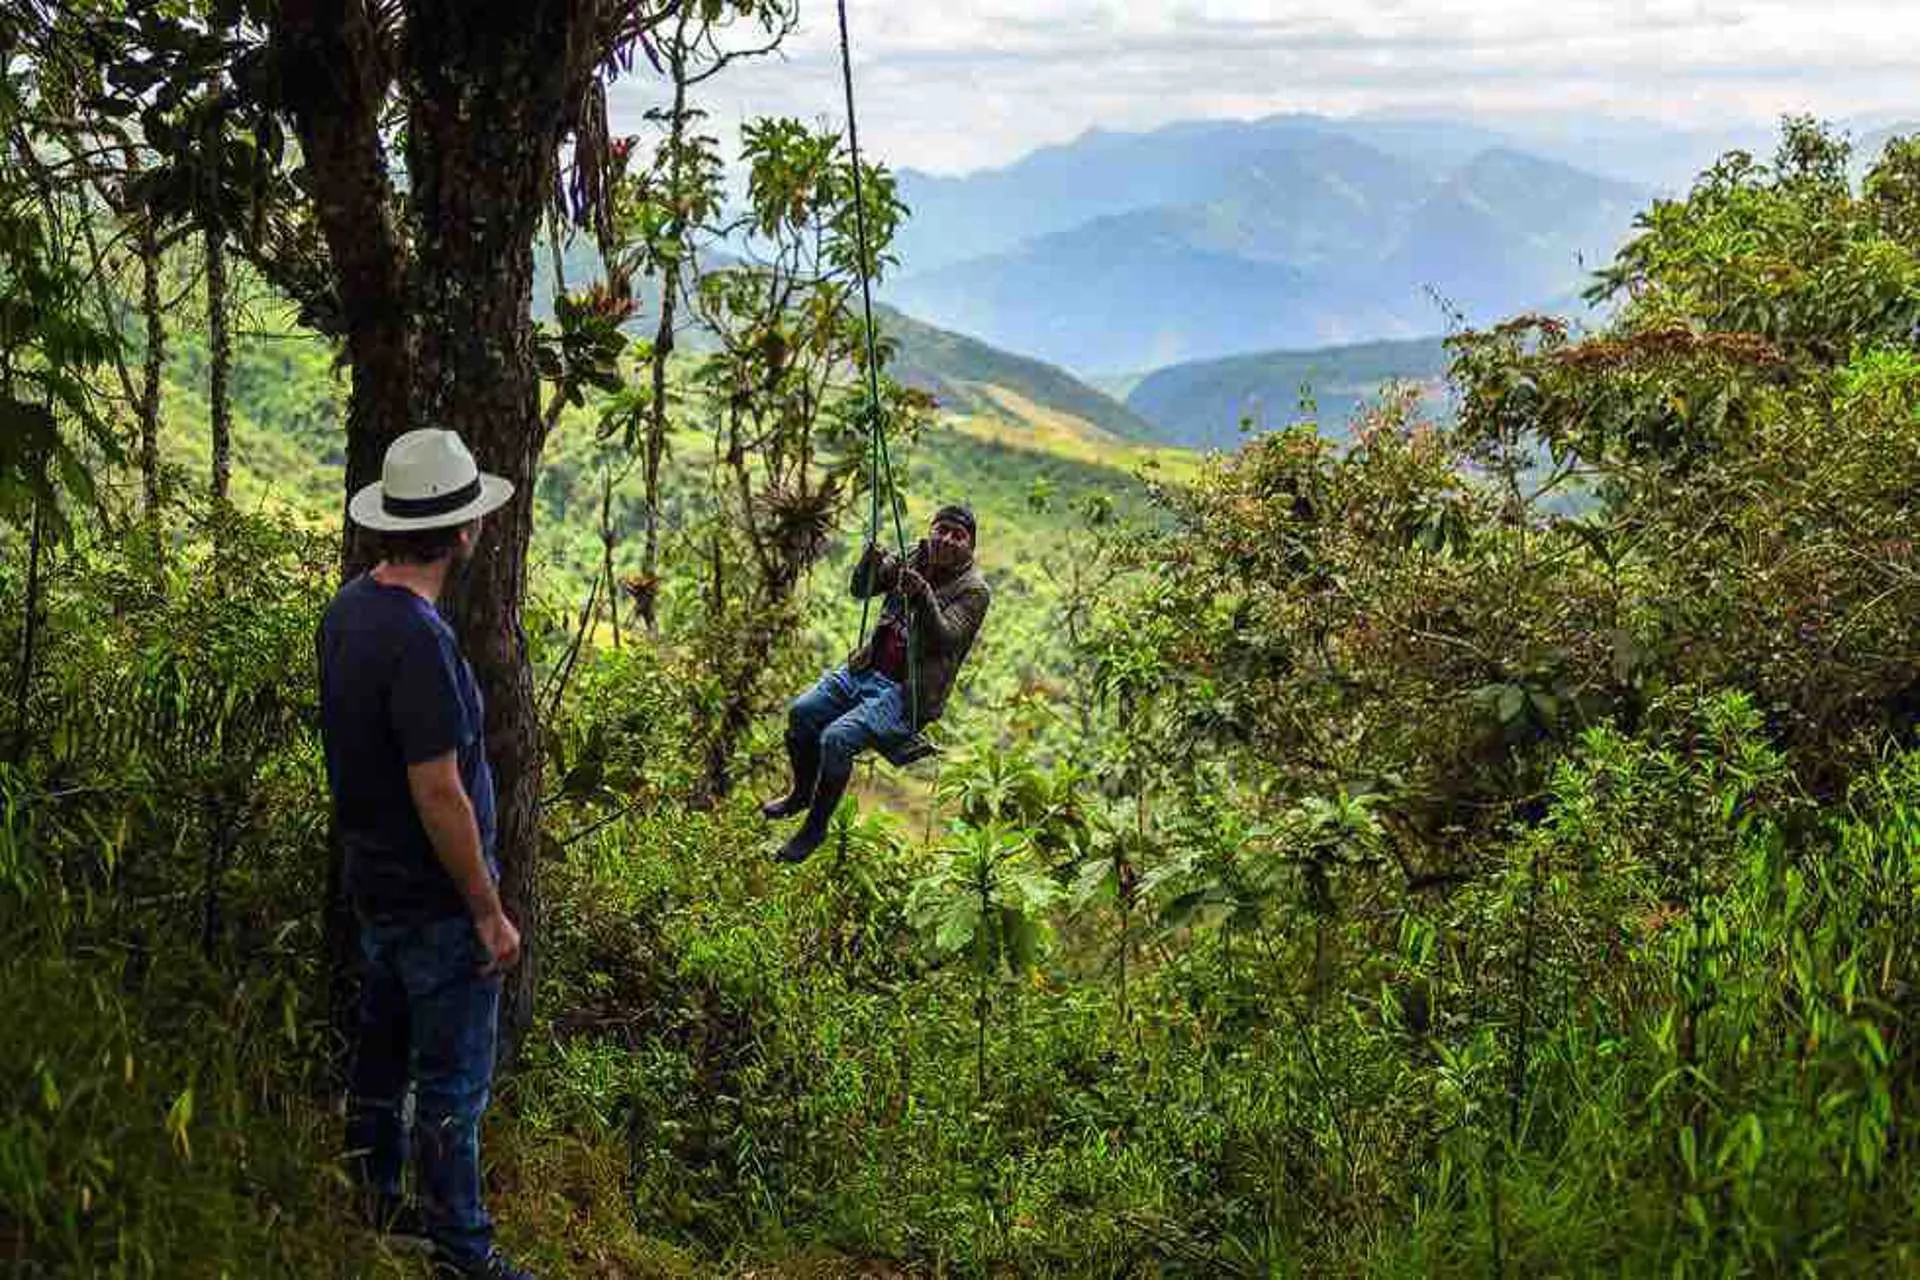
(950, 625)
(447, 814)
(875, 575)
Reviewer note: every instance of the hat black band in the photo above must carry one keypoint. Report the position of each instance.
(438, 505)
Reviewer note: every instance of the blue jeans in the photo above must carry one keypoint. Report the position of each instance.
(427, 1019)
(847, 712)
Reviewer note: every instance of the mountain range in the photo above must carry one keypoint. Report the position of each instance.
(1133, 251)
(1210, 275)
(1210, 404)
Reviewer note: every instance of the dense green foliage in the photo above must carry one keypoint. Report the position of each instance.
(1346, 860)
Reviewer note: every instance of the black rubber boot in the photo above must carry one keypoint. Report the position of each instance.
(826, 798)
(803, 756)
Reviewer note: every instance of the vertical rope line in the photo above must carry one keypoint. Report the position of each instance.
(866, 312)
(880, 458)
(899, 533)
(860, 231)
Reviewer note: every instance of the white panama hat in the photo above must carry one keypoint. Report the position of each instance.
(428, 481)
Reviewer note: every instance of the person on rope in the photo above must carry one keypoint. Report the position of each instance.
(894, 685)
(413, 801)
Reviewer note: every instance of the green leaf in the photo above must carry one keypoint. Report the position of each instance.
(958, 924)
(1094, 882)
(179, 1118)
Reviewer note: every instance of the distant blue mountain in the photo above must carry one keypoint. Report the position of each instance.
(1131, 251)
(1193, 163)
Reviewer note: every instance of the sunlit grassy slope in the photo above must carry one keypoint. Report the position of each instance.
(1005, 423)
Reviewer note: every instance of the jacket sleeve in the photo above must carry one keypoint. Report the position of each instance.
(875, 575)
(952, 626)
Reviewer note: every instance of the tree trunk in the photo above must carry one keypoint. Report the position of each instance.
(156, 355)
(607, 539)
(29, 635)
(663, 334)
(219, 361)
(485, 88)
(219, 341)
(656, 445)
(335, 75)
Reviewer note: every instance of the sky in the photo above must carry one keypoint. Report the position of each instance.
(950, 86)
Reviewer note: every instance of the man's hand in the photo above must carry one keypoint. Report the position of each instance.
(878, 570)
(441, 799)
(501, 940)
(911, 583)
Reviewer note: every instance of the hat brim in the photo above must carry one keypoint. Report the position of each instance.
(365, 508)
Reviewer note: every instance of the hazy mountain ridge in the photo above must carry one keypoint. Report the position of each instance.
(1291, 232)
(1101, 174)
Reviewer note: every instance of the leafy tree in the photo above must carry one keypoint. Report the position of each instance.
(986, 899)
(49, 353)
(791, 425)
(664, 217)
(430, 293)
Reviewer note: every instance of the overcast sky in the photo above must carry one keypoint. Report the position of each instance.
(953, 85)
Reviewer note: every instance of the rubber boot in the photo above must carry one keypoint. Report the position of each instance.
(826, 798)
(803, 756)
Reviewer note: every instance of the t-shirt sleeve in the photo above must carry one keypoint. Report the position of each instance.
(428, 717)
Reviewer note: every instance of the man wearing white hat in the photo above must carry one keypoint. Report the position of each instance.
(413, 799)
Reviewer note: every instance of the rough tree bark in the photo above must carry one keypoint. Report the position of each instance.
(219, 359)
(219, 339)
(336, 73)
(155, 359)
(486, 89)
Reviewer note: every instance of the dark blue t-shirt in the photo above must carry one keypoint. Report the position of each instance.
(395, 691)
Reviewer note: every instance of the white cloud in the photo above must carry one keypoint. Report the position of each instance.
(947, 85)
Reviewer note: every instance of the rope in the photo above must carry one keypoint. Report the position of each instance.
(881, 460)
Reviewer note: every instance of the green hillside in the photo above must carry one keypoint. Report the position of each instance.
(958, 371)
(1013, 428)
(1203, 404)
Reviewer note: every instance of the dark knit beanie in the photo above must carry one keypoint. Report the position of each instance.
(960, 514)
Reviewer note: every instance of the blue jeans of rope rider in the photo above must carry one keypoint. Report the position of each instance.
(827, 728)
(428, 1020)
